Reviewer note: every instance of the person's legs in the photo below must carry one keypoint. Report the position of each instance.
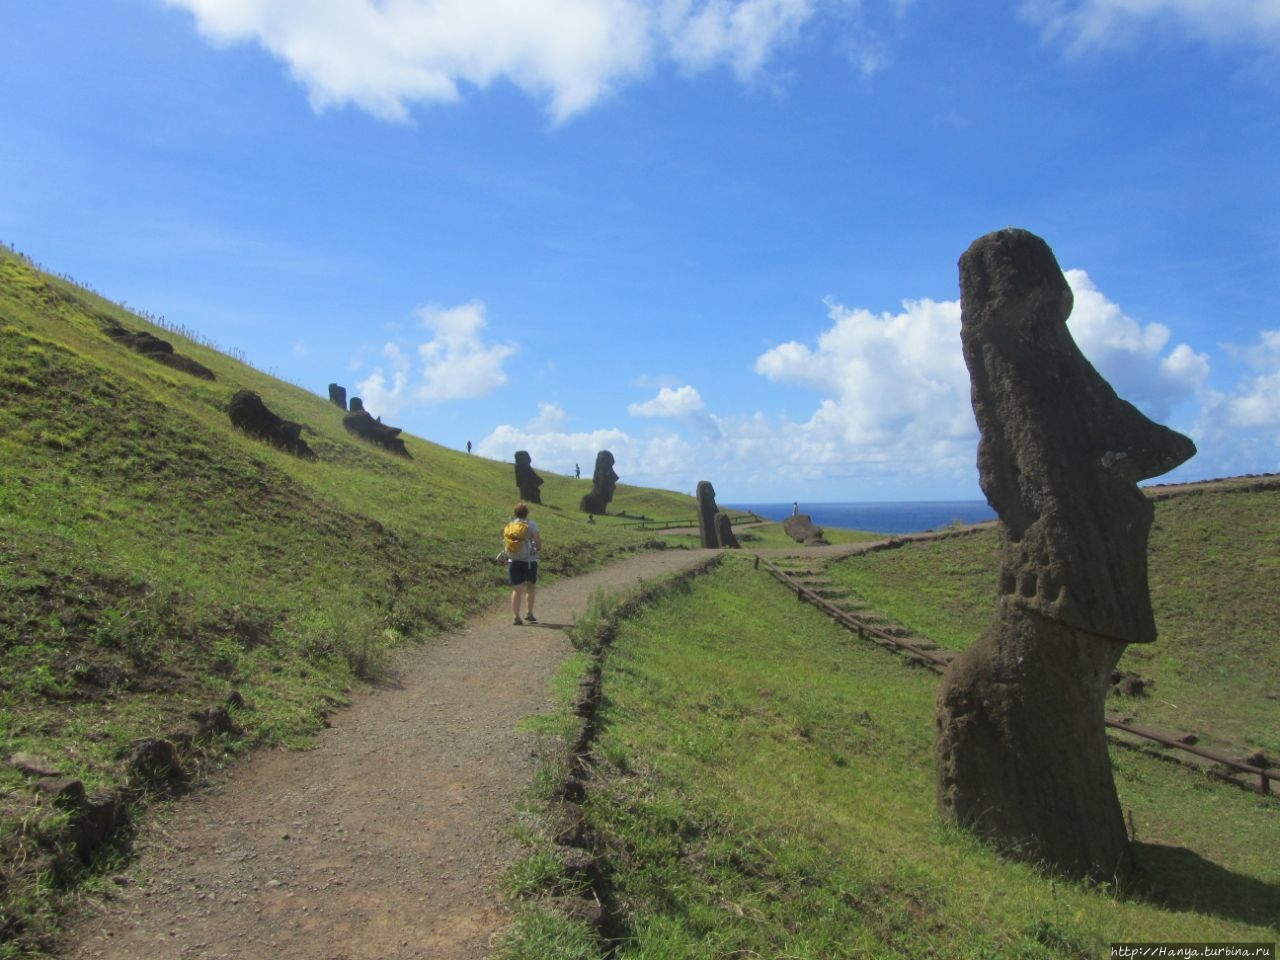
(530, 589)
(517, 576)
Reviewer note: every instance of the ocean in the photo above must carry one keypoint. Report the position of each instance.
(911, 516)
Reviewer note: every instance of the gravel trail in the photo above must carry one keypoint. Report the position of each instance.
(388, 839)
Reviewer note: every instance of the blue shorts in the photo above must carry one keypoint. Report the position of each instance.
(522, 571)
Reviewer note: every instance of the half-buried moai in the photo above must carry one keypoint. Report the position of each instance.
(714, 528)
(526, 479)
(338, 395)
(603, 482)
(1021, 743)
(361, 423)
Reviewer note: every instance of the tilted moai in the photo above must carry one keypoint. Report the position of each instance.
(1021, 743)
(526, 479)
(603, 482)
(338, 395)
(362, 424)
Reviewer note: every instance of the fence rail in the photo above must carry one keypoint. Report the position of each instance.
(681, 524)
(938, 662)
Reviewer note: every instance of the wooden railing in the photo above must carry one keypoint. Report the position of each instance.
(938, 663)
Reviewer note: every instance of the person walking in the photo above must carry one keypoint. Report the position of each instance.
(522, 541)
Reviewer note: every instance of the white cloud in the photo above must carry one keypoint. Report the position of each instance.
(383, 57)
(1130, 355)
(559, 450)
(684, 405)
(892, 416)
(454, 364)
(383, 392)
(1241, 430)
(551, 417)
(1087, 24)
(742, 34)
(889, 380)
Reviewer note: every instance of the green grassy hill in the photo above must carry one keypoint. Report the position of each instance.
(156, 562)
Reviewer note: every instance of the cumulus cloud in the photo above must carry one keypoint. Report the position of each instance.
(891, 416)
(383, 57)
(1239, 431)
(1131, 355)
(895, 392)
(559, 450)
(456, 363)
(1087, 24)
(684, 405)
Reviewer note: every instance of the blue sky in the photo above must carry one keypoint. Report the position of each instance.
(716, 237)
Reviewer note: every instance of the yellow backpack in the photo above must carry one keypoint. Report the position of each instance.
(514, 534)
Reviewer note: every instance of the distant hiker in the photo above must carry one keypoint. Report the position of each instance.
(795, 509)
(521, 542)
(577, 472)
(468, 446)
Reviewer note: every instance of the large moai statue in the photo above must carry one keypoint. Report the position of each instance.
(526, 479)
(1021, 742)
(603, 482)
(338, 395)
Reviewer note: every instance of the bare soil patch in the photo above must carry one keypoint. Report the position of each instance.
(388, 839)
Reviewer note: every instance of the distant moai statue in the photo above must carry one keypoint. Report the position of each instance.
(361, 423)
(714, 528)
(526, 480)
(603, 482)
(1021, 742)
(338, 395)
(707, 532)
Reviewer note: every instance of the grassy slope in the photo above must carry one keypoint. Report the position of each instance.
(765, 787)
(153, 559)
(1215, 580)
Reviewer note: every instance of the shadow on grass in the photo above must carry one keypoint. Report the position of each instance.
(1180, 879)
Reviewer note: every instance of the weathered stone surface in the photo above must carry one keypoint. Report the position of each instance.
(250, 414)
(338, 395)
(800, 528)
(526, 480)
(724, 532)
(603, 482)
(707, 510)
(359, 422)
(1022, 752)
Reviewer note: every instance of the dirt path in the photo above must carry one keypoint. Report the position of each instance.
(385, 841)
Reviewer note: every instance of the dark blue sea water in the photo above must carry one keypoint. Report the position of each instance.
(914, 516)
